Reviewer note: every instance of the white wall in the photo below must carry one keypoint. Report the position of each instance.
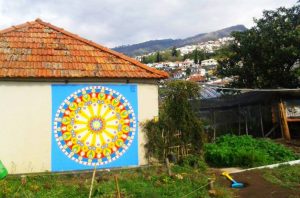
(25, 124)
(148, 108)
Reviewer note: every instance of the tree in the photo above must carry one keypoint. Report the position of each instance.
(188, 71)
(202, 56)
(158, 57)
(176, 114)
(185, 56)
(264, 56)
(174, 52)
(222, 53)
(195, 54)
(144, 60)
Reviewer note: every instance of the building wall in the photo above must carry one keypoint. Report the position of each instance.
(25, 120)
(148, 108)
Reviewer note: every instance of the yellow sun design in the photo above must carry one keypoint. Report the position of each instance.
(97, 125)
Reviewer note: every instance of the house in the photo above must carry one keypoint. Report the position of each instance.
(213, 80)
(69, 104)
(172, 65)
(197, 70)
(197, 78)
(209, 63)
(187, 63)
(179, 74)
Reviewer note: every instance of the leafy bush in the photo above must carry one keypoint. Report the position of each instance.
(155, 143)
(175, 115)
(245, 151)
(193, 161)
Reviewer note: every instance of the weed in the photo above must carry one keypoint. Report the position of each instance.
(286, 176)
(194, 161)
(245, 151)
(150, 182)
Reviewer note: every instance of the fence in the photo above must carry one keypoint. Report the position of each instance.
(253, 113)
(179, 150)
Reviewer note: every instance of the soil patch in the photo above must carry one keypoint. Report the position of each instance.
(257, 186)
(294, 144)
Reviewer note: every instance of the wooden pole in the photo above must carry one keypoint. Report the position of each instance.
(168, 167)
(23, 179)
(246, 119)
(163, 137)
(274, 127)
(117, 187)
(212, 192)
(261, 121)
(283, 120)
(279, 120)
(214, 117)
(239, 113)
(93, 178)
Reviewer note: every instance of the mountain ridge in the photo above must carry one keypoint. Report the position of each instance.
(161, 44)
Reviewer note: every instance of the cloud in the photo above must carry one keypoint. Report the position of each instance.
(117, 22)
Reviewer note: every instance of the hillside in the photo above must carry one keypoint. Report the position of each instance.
(156, 45)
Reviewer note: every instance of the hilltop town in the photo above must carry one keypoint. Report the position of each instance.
(186, 64)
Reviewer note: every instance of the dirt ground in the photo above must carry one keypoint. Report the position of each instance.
(294, 144)
(257, 186)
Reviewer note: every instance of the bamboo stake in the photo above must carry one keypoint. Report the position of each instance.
(214, 118)
(246, 114)
(261, 121)
(93, 178)
(117, 187)
(168, 167)
(239, 120)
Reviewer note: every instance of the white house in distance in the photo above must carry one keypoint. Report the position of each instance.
(70, 104)
(187, 63)
(209, 63)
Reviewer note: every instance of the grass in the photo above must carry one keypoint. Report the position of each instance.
(142, 182)
(189, 178)
(150, 182)
(286, 176)
(43, 186)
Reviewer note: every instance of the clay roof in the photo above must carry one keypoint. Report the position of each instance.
(196, 78)
(40, 50)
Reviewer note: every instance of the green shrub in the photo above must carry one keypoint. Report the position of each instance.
(194, 161)
(245, 151)
(175, 116)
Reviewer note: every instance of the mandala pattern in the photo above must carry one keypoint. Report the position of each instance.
(94, 125)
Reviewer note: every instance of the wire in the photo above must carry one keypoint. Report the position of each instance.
(195, 190)
(248, 89)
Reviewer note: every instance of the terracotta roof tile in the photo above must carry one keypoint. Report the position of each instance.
(39, 49)
(196, 78)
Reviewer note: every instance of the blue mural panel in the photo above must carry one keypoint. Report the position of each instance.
(94, 125)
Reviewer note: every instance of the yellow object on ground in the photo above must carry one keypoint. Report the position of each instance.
(226, 174)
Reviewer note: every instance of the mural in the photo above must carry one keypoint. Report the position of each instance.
(94, 126)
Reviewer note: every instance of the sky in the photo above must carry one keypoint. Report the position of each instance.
(121, 22)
